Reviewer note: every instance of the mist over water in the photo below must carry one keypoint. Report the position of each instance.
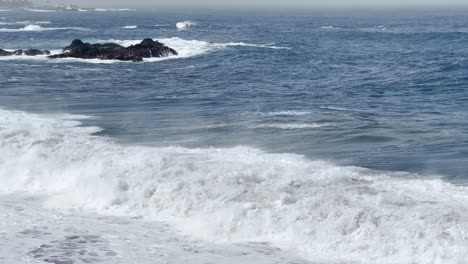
(269, 137)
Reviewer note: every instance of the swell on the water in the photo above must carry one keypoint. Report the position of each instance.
(37, 28)
(326, 212)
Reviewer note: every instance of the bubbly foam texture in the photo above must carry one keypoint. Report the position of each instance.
(241, 194)
(38, 28)
(185, 49)
(24, 22)
(291, 126)
(185, 24)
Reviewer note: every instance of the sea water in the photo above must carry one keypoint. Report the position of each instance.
(304, 137)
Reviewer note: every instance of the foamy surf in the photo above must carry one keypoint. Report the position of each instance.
(185, 24)
(319, 210)
(38, 28)
(40, 10)
(185, 48)
(291, 126)
(285, 113)
(130, 27)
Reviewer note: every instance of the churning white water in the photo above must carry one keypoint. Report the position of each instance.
(318, 210)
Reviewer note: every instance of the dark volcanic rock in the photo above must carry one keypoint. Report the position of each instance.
(148, 48)
(35, 52)
(29, 52)
(5, 53)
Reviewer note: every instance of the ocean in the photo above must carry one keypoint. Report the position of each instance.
(311, 136)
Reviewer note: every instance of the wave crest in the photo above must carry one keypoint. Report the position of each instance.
(185, 24)
(37, 28)
(240, 194)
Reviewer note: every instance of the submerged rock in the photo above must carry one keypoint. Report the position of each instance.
(31, 52)
(28, 52)
(148, 48)
(5, 53)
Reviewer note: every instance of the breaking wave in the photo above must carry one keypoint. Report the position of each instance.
(37, 28)
(40, 10)
(185, 24)
(239, 194)
(130, 27)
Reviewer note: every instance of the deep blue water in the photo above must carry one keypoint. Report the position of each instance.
(368, 88)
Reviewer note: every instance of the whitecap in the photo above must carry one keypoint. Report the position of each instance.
(285, 113)
(37, 28)
(130, 27)
(238, 195)
(184, 24)
(291, 126)
(329, 27)
(40, 10)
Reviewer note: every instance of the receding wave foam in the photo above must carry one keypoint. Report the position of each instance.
(239, 194)
(37, 28)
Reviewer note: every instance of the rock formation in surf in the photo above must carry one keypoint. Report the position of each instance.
(28, 52)
(148, 48)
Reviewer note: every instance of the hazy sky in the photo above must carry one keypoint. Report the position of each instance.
(155, 3)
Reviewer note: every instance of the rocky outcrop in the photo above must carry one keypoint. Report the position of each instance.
(5, 53)
(28, 52)
(148, 48)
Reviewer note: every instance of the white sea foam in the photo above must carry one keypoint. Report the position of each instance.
(185, 24)
(130, 27)
(24, 22)
(40, 10)
(285, 113)
(25, 57)
(185, 48)
(242, 44)
(337, 108)
(291, 126)
(37, 28)
(239, 195)
(329, 27)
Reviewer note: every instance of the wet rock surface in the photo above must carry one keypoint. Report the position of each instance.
(148, 48)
